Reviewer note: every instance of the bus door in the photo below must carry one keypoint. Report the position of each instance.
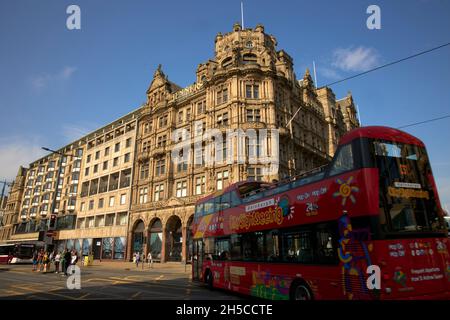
(197, 261)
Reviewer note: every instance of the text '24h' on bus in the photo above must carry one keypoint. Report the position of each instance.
(316, 236)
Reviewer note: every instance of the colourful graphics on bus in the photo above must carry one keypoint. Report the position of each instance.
(367, 226)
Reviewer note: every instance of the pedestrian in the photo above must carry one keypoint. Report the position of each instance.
(143, 259)
(57, 261)
(137, 259)
(150, 259)
(35, 260)
(45, 261)
(67, 260)
(40, 260)
(74, 258)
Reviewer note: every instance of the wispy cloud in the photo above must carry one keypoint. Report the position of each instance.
(329, 73)
(16, 151)
(355, 59)
(72, 131)
(44, 80)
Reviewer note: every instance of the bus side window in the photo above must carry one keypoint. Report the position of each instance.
(236, 247)
(297, 247)
(343, 161)
(225, 201)
(326, 248)
(235, 200)
(272, 246)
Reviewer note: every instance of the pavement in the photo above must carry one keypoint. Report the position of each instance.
(108, 280)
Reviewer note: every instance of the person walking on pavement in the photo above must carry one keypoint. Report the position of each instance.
(57, 261)
(67, 260)
(138, 257)
(150, 259)
(35, 260)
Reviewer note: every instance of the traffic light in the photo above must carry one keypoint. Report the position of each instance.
(52, 223)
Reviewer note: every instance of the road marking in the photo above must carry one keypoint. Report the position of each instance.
(160, 277)
(84, 296)
(54, 294)
(136, 294)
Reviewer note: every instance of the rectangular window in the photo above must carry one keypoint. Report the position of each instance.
(163, 121)
(222, 119)
(222, 179)
(253, 115)
(200, 184)
(109, 221)
(128, 143)
(103, 187)
(91, 205)
(181, 189)
(96, 168)
(82, 207)
(222, 96)
(125, 178)
(123, 198)
(97, 155)
(144, 170)
(106, 151)
(114, 181)
(126, 158)
(180, 117)
(143, 195)
(201, 107)
(254, 174)
(188, 114)
(90, 222)
(111, 201)
(117, 147)
(162, 140)
(159, 192)
(100, 203)
(84, 189)
(122, 218)
(115, 161)
(86, 171)
(93, 189)
(252, 91)
(105, 165)
(160, 167)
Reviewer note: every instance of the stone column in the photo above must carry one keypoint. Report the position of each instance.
(164, 244)
(129, 254)
(184, 244)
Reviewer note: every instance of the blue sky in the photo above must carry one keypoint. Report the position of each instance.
(57, 84)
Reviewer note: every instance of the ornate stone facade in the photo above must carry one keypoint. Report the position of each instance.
(248, 84)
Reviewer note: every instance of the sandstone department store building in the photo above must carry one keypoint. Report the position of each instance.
(247, 84)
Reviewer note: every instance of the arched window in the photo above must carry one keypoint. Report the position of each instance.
(227, 62)
(249, 58)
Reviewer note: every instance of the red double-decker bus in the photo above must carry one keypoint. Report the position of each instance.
(372, 214)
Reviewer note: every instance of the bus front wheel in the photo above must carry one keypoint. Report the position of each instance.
(209, 280)
(301, 291)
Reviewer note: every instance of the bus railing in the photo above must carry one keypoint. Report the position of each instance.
(283, 185)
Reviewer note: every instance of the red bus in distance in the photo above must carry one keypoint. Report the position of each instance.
(320, 235)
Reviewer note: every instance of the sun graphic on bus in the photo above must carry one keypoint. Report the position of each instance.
(346, 190)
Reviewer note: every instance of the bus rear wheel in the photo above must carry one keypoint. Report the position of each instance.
(300, 291)
(209, 280)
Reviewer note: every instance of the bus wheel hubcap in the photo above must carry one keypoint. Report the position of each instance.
(302, 293)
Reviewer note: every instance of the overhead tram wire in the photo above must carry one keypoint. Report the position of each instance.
(388, 64)
(425, 121)
(378, 68)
